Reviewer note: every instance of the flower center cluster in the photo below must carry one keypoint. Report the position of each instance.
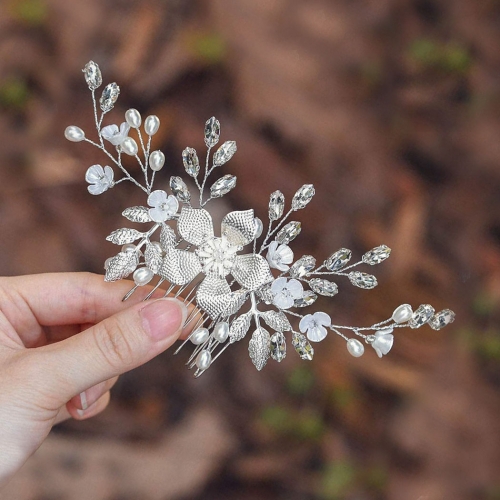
(217, 256)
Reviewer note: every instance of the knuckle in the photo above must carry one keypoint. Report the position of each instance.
(114, 343)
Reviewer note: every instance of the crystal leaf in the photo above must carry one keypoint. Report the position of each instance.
(376, 255)
(179, 188)
(121, 265)
(259, 348)
(421, 316)
(223, 186)
(324, 287)
(109, 96)
(302, 346)
(276, 205)
(307, 299)
(93, 75)
(441, 319)
(303, 266)
(303, 196)
(288, 233)
(153, 256)
(137, 214)
(278, 347)
(224, 153)
(124, 236)
(276, 320)
(363, 280)
(338, 260)
(239, 327)
(167, 237)
(212, 132)
(191, 162)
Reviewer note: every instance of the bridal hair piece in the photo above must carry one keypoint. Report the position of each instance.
(242, 277)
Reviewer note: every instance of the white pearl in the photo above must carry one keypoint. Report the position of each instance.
(143, 276)
(129, 146)
(203, 359)
(402, 314)
(221, 332)
(259, 227)
(106, 263)
(129, 248)
(74, 134)
(156, 160)
(199, 336)
(355, 348)
(133, 118)
(151, 125)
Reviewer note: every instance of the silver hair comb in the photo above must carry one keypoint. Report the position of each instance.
(236, 276)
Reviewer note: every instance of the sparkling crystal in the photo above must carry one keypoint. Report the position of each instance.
(421, 316)
(224, 153)
(302, 346)
(303, 266)
(441, 319)
(93, 75)
(376, 255)
(276, 205)
(363, 280)
(109, 96)
(288, 233)
(212, 132)
(179, 188)
(338, 260)
(303, 196)
(307, 299)
(191, 162)
(278, 346)
(324, 287)
(223, 186)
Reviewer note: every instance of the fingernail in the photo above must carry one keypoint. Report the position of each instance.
(83, 400)
(80, 412)
(163, 318)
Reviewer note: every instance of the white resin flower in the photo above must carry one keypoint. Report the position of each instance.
(285, 292)
(279, 256)
(383, 342)
(164, 207)
(100, 179)
(314, 325)
(116, 135)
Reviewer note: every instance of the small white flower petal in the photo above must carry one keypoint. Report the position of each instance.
(317, 334)
(285, 254)
(124, 129)
(96, 189)
(295, 289)
(94, 174)
(322, 318)
(109, 174)
(157, 198)
(283, 301)
(278, 285)
(158, 215)
(109, 132)
(171, 205)
(281, 267)
(306, 322)
(383, 343)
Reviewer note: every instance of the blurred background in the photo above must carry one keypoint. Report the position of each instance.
(392, 109)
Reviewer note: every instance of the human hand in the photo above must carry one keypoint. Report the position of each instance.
(64, 339)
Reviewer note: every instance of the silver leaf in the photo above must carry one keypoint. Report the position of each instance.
(276, 320)
(224, 153)
(124, 235)
(121, 265)
(167, 237)
(212, 132)
(195, 225)
(239, 327)
(137, 214)
(222, 186)
(259, 348)
(179, 267)
(251, 271)
(153, 257)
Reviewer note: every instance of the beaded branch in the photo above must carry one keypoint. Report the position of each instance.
(231, 289)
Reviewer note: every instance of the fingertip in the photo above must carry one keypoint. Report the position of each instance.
(93, 410)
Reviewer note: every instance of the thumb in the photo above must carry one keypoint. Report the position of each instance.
(112, 347)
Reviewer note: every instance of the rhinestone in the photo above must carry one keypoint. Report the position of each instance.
(324, 287)
(288, 233)
(441, 319)
(303, 196)
(376, 255)
(278, 347)
(421, 316)
(224, 153)
(302, 346)
(212, 132)
(191, 162)
(93, 75)
(109, 96)
(276, 205)
(307, 299)
(303, 266)
(223, 186)
(338, 260)
(363, 280)
(179, 188)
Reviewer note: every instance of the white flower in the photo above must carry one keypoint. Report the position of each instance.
(163, 206)
(383, 341)
(314, 325)
(114, 135)
(279, 256)
(285, 292)
(100, 179)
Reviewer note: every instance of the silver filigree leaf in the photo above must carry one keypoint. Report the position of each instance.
(303, 196)
(93, 75)
(288, 233)
(179, 188)
(239, 327)
(153, 257)
(109, 97)
(235, 301)
(363, 280)
(278, 347)
(224, 153)
(124, 235)
(259, 347)
(276, 205)
(167, 237)
(191, 162)
(212, 132)
(276, 320)
(137, 214)
(121, 265)
(338, 259)
(376, 255)
(302, 266)
(222, 186)
(302, 346)
(264, 292)
(324, 287)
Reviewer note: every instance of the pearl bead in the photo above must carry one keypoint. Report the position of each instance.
(402, 313)
(203, 359)
(221, 332)
(106, 263)
(151, 125)
(355, 348)
(259, 227)
(156, 160)
(199, 336)
(74, 134)
(129, 248)
(133, 118)
(129, 146)
(143, 276)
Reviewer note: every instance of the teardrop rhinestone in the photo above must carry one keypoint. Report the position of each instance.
(303, 196)
(276, 205)
(303, 266)
(278, 347)
(109, 97)
(421, 316)
(212, 132)
(191, 162)
(223, 186)
(338, 260)
(302, 346)
(179, 188)
(441, 319)
(363, 280)
(376, 255)
(224, 153)
(288, 233)
(324, 287)
(307, 299)
(93, 75)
